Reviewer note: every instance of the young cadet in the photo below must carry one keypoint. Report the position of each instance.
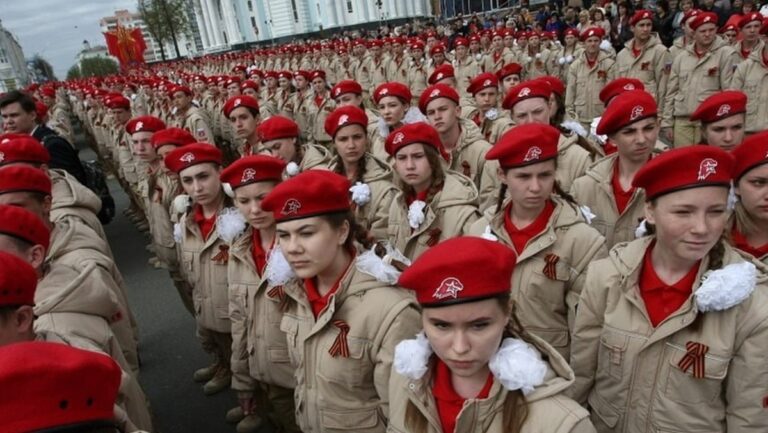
(484, 88)
(546, 230)
(749, 30)
(190, 117)
(262, 375)
(349, 92)
(722, 118)
(509, 76)
(434, 203)
(749, 232)
(561, 61)
(394, 102)
(750, 77)
(243, 114)
(475, 368)
(631, 123)
(321, 106)
(586, 77)
(204, 256)
(341, 322)
(280, 138)
(670, 326)
(371, 179)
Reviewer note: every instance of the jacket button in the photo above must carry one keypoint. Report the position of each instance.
(411, 386)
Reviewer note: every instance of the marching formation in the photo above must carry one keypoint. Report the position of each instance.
(497, 233)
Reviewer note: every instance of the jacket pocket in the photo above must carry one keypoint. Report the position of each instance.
(353, 371)
(549, 287)
(604, 417)
(683, 387)
(359, 420)
(290, 327)
(278, 355)
(613, 348)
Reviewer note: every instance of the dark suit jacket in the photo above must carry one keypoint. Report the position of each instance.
(63, 154)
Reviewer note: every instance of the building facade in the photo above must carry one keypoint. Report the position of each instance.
(131, 20)
(13, 67)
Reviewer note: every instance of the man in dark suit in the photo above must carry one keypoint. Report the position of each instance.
(19, 117)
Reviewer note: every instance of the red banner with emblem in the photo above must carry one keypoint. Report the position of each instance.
(127, 45)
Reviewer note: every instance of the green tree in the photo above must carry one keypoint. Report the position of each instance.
(98, 67)
(166, 20)
(44, 68)
(74, 72)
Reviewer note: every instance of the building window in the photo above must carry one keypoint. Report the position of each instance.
(253, 22)
(349, 6)
(250, 6)
(295, 11)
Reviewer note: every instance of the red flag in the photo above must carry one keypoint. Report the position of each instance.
(127, 45)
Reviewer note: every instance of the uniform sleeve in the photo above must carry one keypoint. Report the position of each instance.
(405, 324)
(589, 247)
(570, 93)
(471, 215)
(202, 131)
(584, 426)
(728, 65)
(586, 334)
(739, 76)
(379, 220)
(489, 185)
(241, 379)
(746, 390)
(660, 71)
(673, 86)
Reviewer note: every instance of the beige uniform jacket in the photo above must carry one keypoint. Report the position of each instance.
(464, 71)
(547, 302)
(70, 199)
(299, 109)
(561, 60)
(450, 214)
(259, 348)
(582, 96)
(374, 215)
(739, 214)
(379, 73)
(195, 122)
(693, 79)
(398, 70)
(493, 125)
(649, 67)
(549, 410)
(572, 160)
(494, 62)
(417, 79)
(595, 190)
(363, 72)
(204, 264)
(165, 189)
(317, 116)
(536, 65)
(341, 394)
(468, 158)
(751, 77)
(630, 373)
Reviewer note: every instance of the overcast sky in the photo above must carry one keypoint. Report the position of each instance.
(55, 29)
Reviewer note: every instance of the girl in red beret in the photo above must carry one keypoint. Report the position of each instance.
(671, 327)
(343, 315)
(475, 368)
(394, 103)
(546, 230)
(749, 231)
(280, 137)
(372, 190)
(434, 203)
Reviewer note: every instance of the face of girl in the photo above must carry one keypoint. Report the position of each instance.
(689, 222)
(530, 186)
(412, 165)
(248, 201)
(635, 141)
(510, 81)
(465, 336)
(283, 148)
(487, 98)
(753, 190)
(201, 182)
(392, 110)
(725, 133)
(351, 142)
(348, 99)
(310, 244)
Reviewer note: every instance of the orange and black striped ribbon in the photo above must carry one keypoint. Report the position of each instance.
(550, 268)
(434, 236)
(276, 292)
(223, 256)
(340, 346)
(694, 357)
(466, 169)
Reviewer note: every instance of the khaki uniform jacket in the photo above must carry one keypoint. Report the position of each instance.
(464, 71)
(546, 304)
(267, 104)
(328, 65)
(468, 158)
(693, 79)
(204, 264)
(317, 116)
(739, 214)
(493, 64)
(493, 125)
(560, 70)
(73, 200)
(398, 70)
(582, 96)
(363, 72)
(649, 67)
(298, 108)
(751, 77)
(195, 122)
(259, 348)
(338, 394)
(629, 371)
(166, 188)
(417, 79)
(379, 73)
(345, 71)
(451, 213)
(374, 215)
(572, 160)
(678, 46)
(758, 48)
(536, 65)
(595, 190)
(549, 410)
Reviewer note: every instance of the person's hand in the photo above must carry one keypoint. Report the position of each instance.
(667, 135)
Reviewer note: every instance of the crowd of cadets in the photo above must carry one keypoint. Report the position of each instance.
(559, 225)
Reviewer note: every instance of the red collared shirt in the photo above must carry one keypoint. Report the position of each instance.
(205, 224)
(520, 237)
(621, 197)
(636, 51)
(740, 241)
(660, 298)
(317, 302)
(259, 255)
(449, 402)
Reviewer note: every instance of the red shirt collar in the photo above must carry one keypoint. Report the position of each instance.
(662, 299)
(205, 224)
(317, 302)
(741, 242)
(259, 255)
(520, 237)
(621, 197)
(449, 402)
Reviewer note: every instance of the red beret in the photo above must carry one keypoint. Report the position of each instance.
(509, 69)
(483, 81)
(447, 273)
(526, 90)
(144, 124)
(55, 385)
(22, 224)
(618, 86)
(592, 31)
(18, 280)
(571, 31)
(555, 84)
(184, 89)
(344, 116)
(346, 86)
(24, 178)
(703, 18)
(524, 145)
(23, 148)
(172, 136)
(249, 84)
(437, 49)
(270, 74)
(232, 80)
(751, 153)
(285, 74)
(692, 13)
(392, 88)
(625, 109)
(301, 73)
(728, 28)
(240, 101)
(685, 167)
(48, 91)
(437, 91)
(190, 155)
(417, 45)
(252, 169)
(441, 72)
(419, 132)
(118, 102)
(40, 109)
(640, 15)
(277, 127)
(308, 194)
(748, 18)
(722, 104)
(317, 74)
(460, 42)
